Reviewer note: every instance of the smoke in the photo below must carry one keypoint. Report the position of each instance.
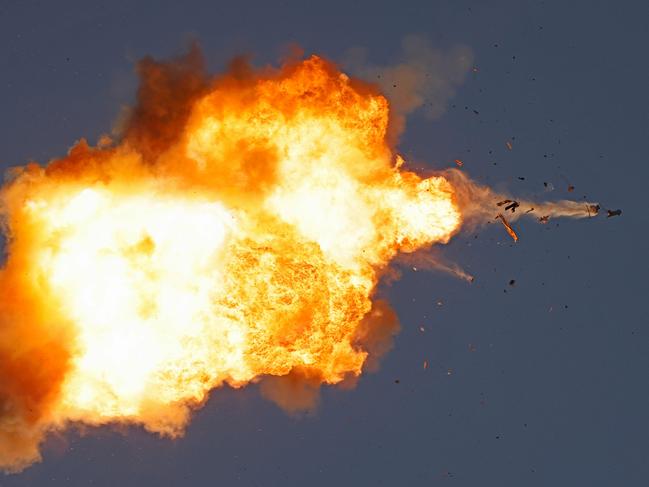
(165, 96)
(297, 393)
(376, 333)
(424, 77)
(433, 260)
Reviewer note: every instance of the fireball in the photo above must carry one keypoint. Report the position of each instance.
(237, 230)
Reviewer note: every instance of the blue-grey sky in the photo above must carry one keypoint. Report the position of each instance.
(541, 383)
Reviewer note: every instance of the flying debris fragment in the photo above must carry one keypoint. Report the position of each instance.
(613, 213)
(511, 205)
(508, 227)
(544, 219)
(594, 209)
(459, 163)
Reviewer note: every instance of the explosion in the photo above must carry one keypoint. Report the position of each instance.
(236, 231)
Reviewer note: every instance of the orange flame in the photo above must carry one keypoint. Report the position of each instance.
(237, 231)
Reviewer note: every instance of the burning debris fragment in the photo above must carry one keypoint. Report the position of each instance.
(508, 227)
(611, 213)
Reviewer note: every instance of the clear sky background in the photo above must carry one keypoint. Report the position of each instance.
(541, 383)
